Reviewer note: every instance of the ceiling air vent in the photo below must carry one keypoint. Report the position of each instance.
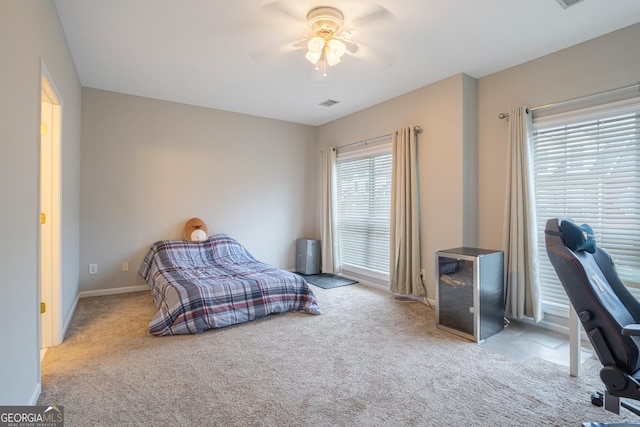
(568, 3)
(329, 103)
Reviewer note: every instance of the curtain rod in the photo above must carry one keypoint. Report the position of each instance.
(416, 129)
(580, 98)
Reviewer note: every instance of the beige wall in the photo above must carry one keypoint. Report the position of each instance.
(148, 166)
(463, 147)
(31, 31)
(601, 64)
(446, 113)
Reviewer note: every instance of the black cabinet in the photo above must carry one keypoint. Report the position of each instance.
(470, 292)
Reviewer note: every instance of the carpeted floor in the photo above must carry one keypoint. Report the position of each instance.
(366, 361)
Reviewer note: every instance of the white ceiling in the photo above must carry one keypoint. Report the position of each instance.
(237, 55)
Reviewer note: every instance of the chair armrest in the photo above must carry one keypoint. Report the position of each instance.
(633, 329)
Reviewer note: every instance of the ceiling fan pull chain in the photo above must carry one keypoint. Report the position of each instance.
(324, 66)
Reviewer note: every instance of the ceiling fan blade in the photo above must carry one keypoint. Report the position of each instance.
(377, 14)
(277, 51)
(370, 54)
(279, 7)
(351, 46)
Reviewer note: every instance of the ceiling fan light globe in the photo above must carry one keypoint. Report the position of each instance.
(315, 45)
(337, 48)
(313, 57)
(332, 59)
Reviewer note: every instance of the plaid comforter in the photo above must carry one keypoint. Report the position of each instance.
(217, 283)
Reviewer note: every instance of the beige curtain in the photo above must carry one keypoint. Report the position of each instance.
(405, 215)
(522, 287)
(328, 228)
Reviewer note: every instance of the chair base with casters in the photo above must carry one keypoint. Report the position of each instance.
(612, 403)
(610, 315)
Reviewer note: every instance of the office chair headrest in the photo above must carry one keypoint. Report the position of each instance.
(578, 238)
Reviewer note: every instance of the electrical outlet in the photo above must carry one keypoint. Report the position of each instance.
(423, 273)
(93, 268)
(125, 266)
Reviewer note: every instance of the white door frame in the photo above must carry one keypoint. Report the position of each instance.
(49, 233)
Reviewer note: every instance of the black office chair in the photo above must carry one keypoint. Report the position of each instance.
(609, 314)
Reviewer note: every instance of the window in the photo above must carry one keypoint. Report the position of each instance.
(587, 167)
(364, 209)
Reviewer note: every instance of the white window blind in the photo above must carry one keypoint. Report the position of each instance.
(587, 167)
(364, 209)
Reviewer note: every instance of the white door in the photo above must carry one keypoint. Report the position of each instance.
(50, 137)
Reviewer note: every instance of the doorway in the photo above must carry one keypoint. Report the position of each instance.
(50, 147)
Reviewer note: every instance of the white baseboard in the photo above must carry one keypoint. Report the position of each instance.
(36, 394)
(67, 322)
(112, 291)
(370, 284)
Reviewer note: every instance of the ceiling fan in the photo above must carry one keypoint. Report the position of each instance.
(329, 38)
(328, 42)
